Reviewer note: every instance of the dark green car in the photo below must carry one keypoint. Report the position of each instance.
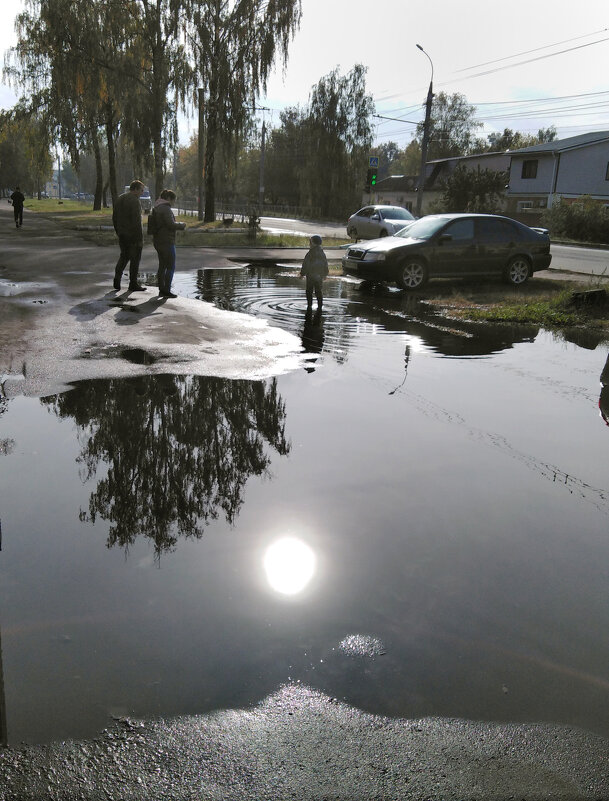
(452, 246)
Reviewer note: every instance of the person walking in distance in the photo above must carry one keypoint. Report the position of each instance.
(163, 226)
(127, 221)
(18, 199)
(314, 268)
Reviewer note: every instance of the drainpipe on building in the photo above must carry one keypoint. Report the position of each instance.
(554, 180)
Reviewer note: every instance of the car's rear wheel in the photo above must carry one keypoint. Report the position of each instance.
(352, 232)
(518, 271)
(412, 274)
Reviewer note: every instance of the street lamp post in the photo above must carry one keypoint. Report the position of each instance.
(425, 142)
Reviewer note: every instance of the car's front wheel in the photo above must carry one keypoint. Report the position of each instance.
(518, 271)
(412, 274)
(384, 233)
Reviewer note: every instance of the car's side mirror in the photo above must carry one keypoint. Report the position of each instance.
(444, 238)
(376, 217)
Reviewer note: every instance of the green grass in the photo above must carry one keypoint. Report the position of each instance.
(54, 207)
(72, 213)
(550, 309)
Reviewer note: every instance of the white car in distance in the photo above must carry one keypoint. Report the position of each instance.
(372, 222)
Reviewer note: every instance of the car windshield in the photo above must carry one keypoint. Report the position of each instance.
(424, 228)
(395, 214)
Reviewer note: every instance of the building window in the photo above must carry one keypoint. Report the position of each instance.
(607, 172)
(529, 168)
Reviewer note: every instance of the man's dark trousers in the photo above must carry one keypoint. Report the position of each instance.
(131, 253)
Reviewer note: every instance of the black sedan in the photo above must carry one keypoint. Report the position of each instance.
(452, 246)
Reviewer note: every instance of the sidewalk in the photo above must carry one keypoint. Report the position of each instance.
(61, 321)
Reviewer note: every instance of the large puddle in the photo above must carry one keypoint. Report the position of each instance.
(416, 523)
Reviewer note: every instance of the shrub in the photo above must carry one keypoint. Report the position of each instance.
(585, 220)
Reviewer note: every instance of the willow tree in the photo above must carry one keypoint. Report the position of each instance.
(61, 58)
(452, 127)
(25, 157)
(106, 65)
(158, 63)
(235, 45)
(338, 136)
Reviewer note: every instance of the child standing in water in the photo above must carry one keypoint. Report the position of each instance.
(314, 268)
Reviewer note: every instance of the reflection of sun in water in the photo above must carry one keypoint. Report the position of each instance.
(289, 565)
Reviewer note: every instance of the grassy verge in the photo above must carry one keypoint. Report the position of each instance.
(542, 302)
(72, 213)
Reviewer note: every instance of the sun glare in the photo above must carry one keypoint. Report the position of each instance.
(289, 564)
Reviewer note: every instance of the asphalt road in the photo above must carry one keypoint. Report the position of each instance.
(308, 227)
(574, 259)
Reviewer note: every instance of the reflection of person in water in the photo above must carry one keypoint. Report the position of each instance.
(314, 268)
(313, 334)
(603, 401)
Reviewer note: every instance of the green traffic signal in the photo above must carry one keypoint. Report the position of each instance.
(373, 177)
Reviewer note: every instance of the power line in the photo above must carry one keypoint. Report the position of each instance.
(535, 50)
(522, 108)
(382, 97)
(526, 61)
(394, 119)
(537, 99)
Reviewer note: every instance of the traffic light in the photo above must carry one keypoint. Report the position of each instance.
(370, 180)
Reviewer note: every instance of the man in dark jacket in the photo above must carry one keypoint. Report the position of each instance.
(127, 221)
(18, 199)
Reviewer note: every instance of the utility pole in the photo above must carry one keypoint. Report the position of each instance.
(58, 175)
(261, 182)
(424, 144)
(201, 156)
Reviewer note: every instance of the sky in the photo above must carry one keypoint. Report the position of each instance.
(523, 64)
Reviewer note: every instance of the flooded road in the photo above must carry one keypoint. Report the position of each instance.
(415, 523)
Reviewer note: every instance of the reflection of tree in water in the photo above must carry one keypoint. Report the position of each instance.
(7, 444)
(178, 450)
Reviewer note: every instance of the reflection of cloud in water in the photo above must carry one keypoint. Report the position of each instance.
(289, 564)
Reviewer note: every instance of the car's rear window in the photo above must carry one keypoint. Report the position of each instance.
(497, 231)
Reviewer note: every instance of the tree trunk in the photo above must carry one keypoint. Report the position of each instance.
(159, 172)
(210, 151)
(158, 104)
(111, 152)
(99, 178)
